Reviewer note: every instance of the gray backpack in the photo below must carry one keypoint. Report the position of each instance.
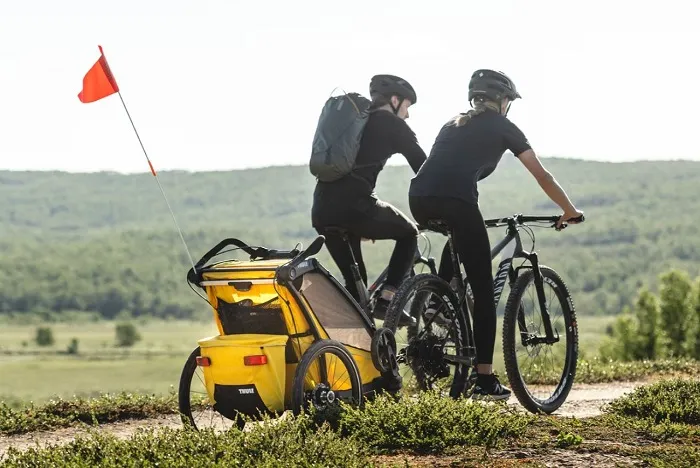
(338, 134)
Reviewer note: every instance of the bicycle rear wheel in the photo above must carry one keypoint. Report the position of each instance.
(540, 374)
(438, 340)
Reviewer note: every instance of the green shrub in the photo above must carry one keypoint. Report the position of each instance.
(288, 442)
(430, 422)
(659, 327)
(44, 336)
(62, 413)
(669, 400)
(127, 334)
(73, 346)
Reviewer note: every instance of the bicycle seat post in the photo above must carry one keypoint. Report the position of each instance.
(442, 227)
(454, 257)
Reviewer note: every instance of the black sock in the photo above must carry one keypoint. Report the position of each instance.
(485, 378)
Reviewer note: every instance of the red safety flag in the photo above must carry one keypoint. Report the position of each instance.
(98, 82)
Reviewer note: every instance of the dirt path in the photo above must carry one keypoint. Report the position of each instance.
(586, 400)
(122, 430)
(583, 401)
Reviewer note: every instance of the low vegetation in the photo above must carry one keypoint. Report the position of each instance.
(17, 416)
(676, 401)
(61, 413)
(599, 371)
(656, 425)
(426, 424)
(430, 423)
(292, 442)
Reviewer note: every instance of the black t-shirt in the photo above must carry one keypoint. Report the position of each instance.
(384, 134)
(461, 156)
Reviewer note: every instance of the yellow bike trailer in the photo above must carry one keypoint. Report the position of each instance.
(290, 336)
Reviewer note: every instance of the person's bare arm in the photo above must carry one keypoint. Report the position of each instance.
(549, 185)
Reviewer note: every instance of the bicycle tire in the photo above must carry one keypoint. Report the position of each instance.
(432, 283)
(183, 397)
(315, 350)
(510, 327)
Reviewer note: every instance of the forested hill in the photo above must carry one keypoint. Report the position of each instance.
(106, 242)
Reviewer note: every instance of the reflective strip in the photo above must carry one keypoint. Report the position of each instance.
(230, 282)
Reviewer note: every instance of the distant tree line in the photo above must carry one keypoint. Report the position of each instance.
(105, 243)
(659, 326)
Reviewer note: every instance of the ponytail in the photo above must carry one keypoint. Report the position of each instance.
(480, 106)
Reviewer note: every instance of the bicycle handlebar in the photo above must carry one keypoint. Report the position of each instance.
(519, 220)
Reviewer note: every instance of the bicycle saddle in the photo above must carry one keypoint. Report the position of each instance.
(336, 230)
(437, 225)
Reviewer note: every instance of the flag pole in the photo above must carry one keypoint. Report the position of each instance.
(153, 171)
(99, 83)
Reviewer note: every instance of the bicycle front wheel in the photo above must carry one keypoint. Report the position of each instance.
(541, 374)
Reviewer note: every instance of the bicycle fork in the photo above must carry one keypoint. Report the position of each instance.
(549, 337)
(511, 247)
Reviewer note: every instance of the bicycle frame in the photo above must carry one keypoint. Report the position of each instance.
(511, 247)
(368, 293)
(418, 258)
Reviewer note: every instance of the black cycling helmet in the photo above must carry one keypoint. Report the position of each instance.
(492, 84)
(390, 85)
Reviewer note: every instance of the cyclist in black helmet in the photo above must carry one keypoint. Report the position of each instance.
(351, 203)
(468, 149)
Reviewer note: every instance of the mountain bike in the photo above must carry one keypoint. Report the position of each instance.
(443, 336)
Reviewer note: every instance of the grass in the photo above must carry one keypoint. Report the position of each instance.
(669, 400)
(152, 365)
(426, 430)
(597, 371)
(27, 380)
(429, 423)
(157, 335)
(62, 413)
(292, 442)
(426, 424)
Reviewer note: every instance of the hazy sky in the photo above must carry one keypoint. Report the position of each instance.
(215, 85)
